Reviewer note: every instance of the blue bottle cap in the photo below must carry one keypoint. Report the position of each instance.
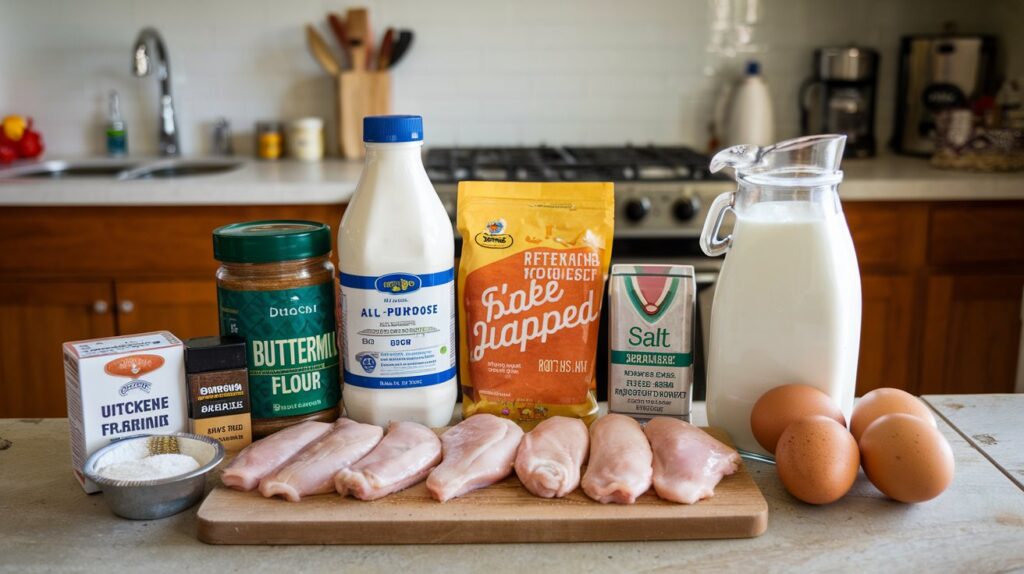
(392, 129)
(753, 68)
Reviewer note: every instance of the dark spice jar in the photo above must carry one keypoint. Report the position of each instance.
(276, 287)
(218, 390)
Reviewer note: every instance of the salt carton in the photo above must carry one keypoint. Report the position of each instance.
(650, 340)
(119, 387)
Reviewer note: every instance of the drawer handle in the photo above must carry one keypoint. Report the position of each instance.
(126, 306)
(100, 307)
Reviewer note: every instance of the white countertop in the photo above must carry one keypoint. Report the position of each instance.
(888, 178)
(286, 182)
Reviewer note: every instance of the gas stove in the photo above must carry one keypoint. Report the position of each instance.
(660, 191)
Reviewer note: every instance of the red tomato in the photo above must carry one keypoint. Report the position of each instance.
(30, 145)
(7, 153)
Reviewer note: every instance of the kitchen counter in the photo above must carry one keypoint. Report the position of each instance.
(887, 178)
(976, 525)
(285, 182)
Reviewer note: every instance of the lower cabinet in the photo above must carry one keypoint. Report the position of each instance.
(972, 331)
(36, 318)
(887, 343)
(186, 308)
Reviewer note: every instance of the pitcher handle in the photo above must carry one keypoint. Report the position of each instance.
(710, 242)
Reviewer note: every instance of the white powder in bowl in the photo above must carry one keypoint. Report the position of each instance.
(150, 467)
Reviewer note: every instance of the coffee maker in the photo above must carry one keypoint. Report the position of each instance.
(840, 97)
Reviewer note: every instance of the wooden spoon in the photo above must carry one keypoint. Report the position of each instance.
(322, 52)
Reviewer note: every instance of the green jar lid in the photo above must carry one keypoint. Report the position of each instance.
(271, 241)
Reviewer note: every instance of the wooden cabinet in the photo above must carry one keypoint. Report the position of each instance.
(942, 286)
(36, 318)
(972, 332)
(71, 273)
(186, 308)
(887, 342)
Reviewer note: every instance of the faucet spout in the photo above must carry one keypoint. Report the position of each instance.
(148, 44)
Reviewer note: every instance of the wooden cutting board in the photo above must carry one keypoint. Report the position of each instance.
(504, 512)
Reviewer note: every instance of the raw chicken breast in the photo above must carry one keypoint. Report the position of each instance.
(312, 470)
(549, 458)
(688, 462)
(264, 456)
(478, 452)
(405, 457)
(620, 461)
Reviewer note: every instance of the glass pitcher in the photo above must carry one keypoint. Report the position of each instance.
(787, 305)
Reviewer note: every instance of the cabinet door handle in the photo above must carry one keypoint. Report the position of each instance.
(126, 306)
(100, 307)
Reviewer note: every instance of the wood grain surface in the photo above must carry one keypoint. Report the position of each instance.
(993, 424)
(503, 513)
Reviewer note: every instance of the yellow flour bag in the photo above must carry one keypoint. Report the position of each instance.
(531, 282)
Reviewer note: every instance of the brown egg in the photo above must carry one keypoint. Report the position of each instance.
(886, 401)
(817, 459)
(907, 458)
(780, 407)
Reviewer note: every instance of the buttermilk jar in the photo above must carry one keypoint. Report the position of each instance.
(276, 288)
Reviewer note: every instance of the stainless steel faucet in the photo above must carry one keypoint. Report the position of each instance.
(149, 40)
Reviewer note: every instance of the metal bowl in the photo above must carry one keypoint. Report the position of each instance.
(150, 499)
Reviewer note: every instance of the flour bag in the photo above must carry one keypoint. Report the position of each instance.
(531, 281)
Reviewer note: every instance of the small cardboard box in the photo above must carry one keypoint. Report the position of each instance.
(119, 387)
(650, 340)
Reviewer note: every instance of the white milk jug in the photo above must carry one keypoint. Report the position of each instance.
(396, 255)
(787, 306)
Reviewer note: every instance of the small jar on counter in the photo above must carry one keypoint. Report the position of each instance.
(269, 140)
(306, 139)
(276, 287)
(218, 390)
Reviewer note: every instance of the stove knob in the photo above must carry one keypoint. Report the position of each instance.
(637, 209)
(684, 209)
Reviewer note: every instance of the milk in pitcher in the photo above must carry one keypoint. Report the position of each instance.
(396, 261)
(787, 306)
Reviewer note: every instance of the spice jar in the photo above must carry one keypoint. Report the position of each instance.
(275, 287)
(306, 139)
(269, 140)
(218, 390)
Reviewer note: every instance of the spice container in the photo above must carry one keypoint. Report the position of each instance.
(269, 140)
(275, 287)
(306, 139)
(218, 390)
(650, 340)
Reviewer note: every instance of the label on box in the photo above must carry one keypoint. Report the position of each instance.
(651, 313)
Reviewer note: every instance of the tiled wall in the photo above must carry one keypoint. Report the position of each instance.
(480, 71)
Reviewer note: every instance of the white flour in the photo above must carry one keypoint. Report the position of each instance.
(150, 467)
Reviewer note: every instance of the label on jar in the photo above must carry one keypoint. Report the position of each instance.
(398, 329)
(290, 344)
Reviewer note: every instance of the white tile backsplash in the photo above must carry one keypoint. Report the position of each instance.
(480, 71)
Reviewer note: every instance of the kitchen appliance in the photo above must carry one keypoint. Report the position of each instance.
(840, 97)
(938, 72)
(661, 199)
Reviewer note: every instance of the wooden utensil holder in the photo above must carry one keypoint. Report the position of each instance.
(360, 94)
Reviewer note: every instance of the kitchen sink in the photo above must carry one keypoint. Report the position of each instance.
(172, 168)
(59, 169)
(123, 170)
